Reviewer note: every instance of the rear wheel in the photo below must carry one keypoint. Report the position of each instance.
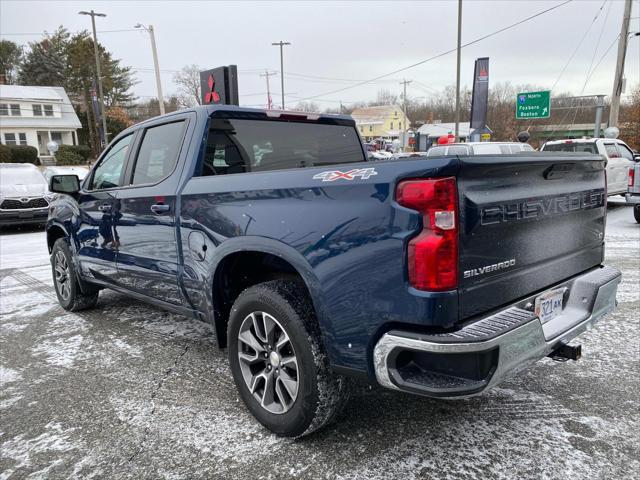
(278, 362)
(636, 213)
(67, 284)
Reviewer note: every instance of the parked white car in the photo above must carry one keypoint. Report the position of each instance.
(479, 148)
(618, 154)
(633, 193)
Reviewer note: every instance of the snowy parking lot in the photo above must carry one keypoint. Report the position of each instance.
(129, 391)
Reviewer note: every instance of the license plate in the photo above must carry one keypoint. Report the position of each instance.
(25, 215)
(549, 305)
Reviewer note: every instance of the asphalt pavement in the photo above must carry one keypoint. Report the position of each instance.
(129, 391)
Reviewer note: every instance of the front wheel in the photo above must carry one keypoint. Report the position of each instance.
(67, 284)
(636, 213)
(278, 362)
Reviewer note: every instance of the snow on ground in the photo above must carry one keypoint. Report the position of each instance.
(129, 391)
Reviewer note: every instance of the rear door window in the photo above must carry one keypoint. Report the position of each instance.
(625, 152)
(243, 145)
(158, 153)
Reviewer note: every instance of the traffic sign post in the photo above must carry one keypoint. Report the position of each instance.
(533, 105)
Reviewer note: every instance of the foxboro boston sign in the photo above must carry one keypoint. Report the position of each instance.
(533, 105)
(219, 86)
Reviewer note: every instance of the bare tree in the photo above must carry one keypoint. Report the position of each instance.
(188, 81)
(307, 107)
(385, 97)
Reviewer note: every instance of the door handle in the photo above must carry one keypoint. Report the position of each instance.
(159, 208)
(105, 207)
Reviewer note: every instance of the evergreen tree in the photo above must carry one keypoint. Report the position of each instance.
(10, 58)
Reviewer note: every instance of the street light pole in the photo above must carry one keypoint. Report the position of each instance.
(156, 66)
(99, 74)
(457, 131)
(281, 44)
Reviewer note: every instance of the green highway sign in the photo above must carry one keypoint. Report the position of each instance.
(533, 105)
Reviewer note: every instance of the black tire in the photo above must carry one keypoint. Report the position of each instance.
(70, 296)
(636, 213)
(321, 393)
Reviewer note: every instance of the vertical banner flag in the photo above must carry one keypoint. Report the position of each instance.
(219, 86)
(480, 95)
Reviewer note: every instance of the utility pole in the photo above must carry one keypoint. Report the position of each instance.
(404, 83)
(622, 52)
(99, 74)
(599, 110)
(281, 44)
(267, 75)
(152, 35)
(457, 131)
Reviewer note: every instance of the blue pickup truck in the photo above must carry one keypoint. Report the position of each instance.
(438, 276)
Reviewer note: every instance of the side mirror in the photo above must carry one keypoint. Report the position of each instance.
(636, 157)
(68, 184)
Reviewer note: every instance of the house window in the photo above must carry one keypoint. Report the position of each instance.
(15, 110)
(23, 138)
(371, 128)
(57, 137)
(10, 139)
(4, 109)
(48, 110)
(400, 125)
(391, 125)
(395, 114)
(37, 110)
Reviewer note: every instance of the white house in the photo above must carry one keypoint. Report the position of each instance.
(36, 116)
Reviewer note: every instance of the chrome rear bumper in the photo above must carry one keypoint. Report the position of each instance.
(482, 354)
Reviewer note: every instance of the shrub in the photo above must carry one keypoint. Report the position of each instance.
(69, 157)
(82, 150)
(5, 154)
(19, 154)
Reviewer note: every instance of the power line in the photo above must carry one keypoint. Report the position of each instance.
(508, 27)
(586, 32)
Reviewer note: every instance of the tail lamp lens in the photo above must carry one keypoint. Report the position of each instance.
(432, 256)
(632, 175)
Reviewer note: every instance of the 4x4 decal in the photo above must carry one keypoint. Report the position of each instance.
(332, 175)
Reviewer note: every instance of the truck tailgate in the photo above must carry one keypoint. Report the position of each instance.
(526, 222)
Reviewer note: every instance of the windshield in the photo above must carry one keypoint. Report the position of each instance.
(20, 176)
(571, 147)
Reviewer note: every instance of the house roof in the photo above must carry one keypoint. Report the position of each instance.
(375, 114)
(54, 95)
(23, 92)
(438, 129)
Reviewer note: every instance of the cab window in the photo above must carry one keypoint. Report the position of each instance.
(109, 173)
(611, 150)
(158, 153)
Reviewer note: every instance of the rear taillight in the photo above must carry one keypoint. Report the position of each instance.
(432, 256)
(632, 177)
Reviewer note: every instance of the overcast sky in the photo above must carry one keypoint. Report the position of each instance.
(345, 42)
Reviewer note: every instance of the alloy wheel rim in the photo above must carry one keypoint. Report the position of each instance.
(268, 362)
(61, 271)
